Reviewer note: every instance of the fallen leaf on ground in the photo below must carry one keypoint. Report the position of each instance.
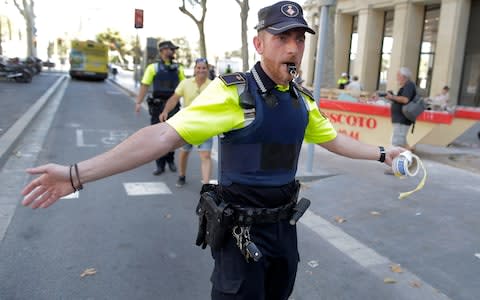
(88, 272)
(477, 255)
(389, 280)
(313, 263)
(375, 213)
(415, 284)
(396, 269)
(340, 220)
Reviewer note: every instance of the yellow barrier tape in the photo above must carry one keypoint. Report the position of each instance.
(420, 184)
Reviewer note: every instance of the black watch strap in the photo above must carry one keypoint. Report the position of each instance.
(382, 154)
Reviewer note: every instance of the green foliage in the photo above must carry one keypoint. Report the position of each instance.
(115, 42)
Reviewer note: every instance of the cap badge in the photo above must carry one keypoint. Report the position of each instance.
(290, 10)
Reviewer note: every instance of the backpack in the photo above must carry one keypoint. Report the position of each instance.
(413, 108)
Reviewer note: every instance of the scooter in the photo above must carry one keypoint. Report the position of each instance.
(15, 72)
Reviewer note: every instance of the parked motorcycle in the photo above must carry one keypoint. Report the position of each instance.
(16, 72)
(33, 63)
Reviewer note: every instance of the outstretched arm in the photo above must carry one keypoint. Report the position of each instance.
(349, 147)
(143, 146)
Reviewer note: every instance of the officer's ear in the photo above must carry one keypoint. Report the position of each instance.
(258, 43)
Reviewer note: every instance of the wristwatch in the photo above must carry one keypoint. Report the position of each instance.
(382, 154)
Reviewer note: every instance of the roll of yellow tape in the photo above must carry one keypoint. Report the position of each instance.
(407, 164)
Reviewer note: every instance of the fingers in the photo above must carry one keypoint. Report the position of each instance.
(40, 197)
(52, 199)
(32, 197)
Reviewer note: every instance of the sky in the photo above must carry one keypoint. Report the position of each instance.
(162, 18)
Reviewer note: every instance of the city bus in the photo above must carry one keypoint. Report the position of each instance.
(88, 59)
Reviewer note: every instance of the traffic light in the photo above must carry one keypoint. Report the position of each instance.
(138, 18)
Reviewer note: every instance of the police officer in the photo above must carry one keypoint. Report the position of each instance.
(262, 117)
(165, 75)
(343, 81)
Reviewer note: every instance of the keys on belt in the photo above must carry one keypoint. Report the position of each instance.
(246, 246)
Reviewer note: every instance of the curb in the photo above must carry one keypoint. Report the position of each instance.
(121, 86)
(8, 139)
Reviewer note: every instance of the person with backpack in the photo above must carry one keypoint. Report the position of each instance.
(405, 94)
(165, 75)
(262, 118)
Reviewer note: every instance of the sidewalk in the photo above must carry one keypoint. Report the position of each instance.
(463, 153)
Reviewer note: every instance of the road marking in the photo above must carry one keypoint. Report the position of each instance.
(368, 258)
(103, 136)
(146, 188)
(12, 174)
(81, 140)
(72, 196)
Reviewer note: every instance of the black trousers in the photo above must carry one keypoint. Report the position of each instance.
(155, 111)
(271, 278)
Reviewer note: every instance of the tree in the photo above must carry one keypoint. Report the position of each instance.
(184, 53)
(115, 43)
(199, 22)
(244, 8)
(62, 50)
(26, 10)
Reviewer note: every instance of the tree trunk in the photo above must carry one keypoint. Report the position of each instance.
(203, 46)
(28, 14)
(200, 23)
(244, 8)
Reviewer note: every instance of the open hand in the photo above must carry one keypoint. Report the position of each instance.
(52, 184)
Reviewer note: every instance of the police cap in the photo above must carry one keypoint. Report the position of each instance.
(167, 44)
(282, 16)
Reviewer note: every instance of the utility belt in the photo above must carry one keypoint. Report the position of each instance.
(217, 218)
(156, 101)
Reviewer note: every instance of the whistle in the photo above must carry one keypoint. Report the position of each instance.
(292, 69)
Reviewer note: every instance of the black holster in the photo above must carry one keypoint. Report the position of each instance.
(215, 220)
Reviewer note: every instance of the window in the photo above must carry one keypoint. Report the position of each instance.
(427, 50)
(470, 85)
(353, 46)
(386, 53)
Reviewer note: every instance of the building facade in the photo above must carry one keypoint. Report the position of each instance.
(435, 39)
(12, 31)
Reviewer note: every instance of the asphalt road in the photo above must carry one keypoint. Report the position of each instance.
(357, 241)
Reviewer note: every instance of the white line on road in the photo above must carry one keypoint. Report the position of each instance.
(369, 259)
(12, 175)
(146, 188)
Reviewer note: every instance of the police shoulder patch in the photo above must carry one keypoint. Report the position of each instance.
(233, 78)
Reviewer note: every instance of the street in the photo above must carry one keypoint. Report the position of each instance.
(136, 232)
